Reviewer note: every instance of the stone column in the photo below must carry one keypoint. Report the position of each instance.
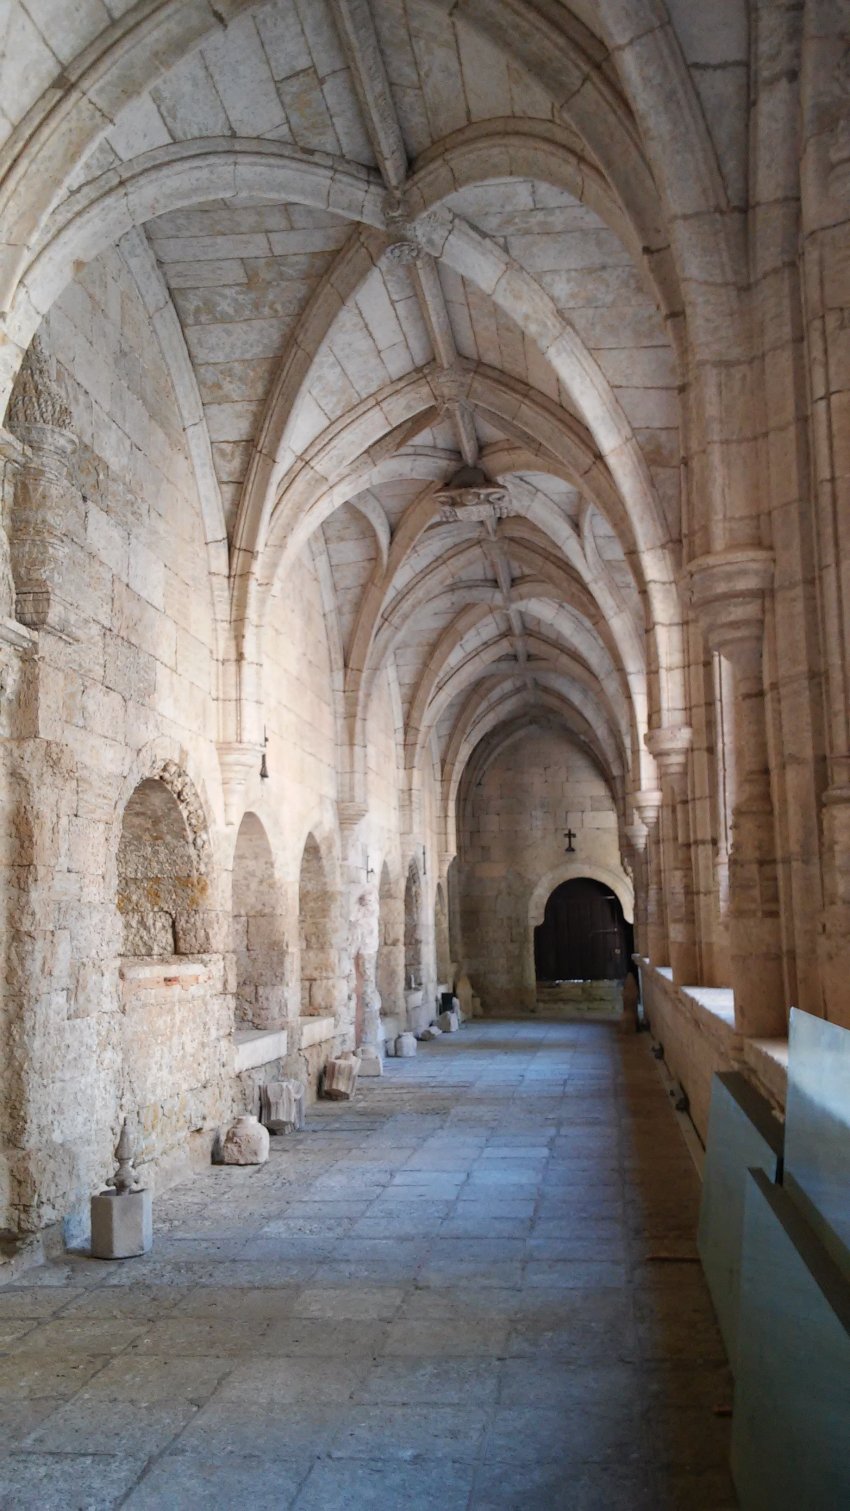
(825, 186)
(670, 748)
(636, 836)
(729, 593)
(364, 937)
(654, 943)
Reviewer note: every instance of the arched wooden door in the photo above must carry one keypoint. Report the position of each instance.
(584, 935)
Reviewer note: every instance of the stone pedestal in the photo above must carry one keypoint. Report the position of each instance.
(121, 1224)
(246, 1142)
(371, 1063)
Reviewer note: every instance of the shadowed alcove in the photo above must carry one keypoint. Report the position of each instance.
(161, 886)
(584, 935)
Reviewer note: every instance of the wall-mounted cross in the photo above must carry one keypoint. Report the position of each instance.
(569, 836)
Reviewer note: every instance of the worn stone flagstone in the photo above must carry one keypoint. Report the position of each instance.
(437, 1295)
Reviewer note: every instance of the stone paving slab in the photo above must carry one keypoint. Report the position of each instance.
(441, 1294)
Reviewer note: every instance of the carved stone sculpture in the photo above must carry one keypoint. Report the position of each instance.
(122, 1217)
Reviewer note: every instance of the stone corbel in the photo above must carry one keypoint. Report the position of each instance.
(637, 835)
(670, 748)
(648, 806)
(238, 761)
(350, 813)
(727, 592)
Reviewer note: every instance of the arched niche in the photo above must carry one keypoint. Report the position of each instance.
(413, 928)
(163, 887)
(321, 986)
(441, 937)
(259, 941)
(390, 973)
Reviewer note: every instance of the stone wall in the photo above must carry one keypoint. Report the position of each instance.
(512, 848)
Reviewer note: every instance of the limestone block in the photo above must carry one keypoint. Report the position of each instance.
(282, 1106)
(246, 1142)
(339, 1082)
(121, 1224)
(371, 1063)
(432, 1032)
(405, 1046)
(448, 1022)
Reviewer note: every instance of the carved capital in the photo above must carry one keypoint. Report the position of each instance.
(350, 812)
(727, 592)
(238, 761)
(648, 804)
(670, 748)
(39, 414)
(637, 835)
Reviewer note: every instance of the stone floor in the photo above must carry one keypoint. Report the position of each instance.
(472, 1288)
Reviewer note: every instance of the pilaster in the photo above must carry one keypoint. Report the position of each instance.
(729, 592)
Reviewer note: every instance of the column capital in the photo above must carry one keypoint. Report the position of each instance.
(637, 835)
(238, 761)
(648, 805)
(350, 812)
(670, 748)
(727, 592)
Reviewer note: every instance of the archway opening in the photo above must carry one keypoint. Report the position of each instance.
(584, 935)
(320, 986)
(259, 943)
(413, 929)
(162, 891)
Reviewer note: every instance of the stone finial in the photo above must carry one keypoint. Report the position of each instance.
(37, 400)
(125, 1178)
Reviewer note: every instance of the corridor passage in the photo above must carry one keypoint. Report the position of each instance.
(472, 1288)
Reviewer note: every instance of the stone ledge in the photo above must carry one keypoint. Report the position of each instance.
(767, 1062)
(711, 1007)
(152, 975)
(258, 1046)
(316, 1031)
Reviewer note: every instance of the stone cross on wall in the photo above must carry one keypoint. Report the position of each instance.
(569, 836)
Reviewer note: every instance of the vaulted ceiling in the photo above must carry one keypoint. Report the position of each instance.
(392, 254)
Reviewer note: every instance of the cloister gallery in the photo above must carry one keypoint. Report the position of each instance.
(425, 570)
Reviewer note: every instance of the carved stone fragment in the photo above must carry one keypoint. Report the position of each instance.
(282, 1106)
(246, 1142)
(339, 1082)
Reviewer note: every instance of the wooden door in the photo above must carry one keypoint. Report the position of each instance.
(584, 935)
